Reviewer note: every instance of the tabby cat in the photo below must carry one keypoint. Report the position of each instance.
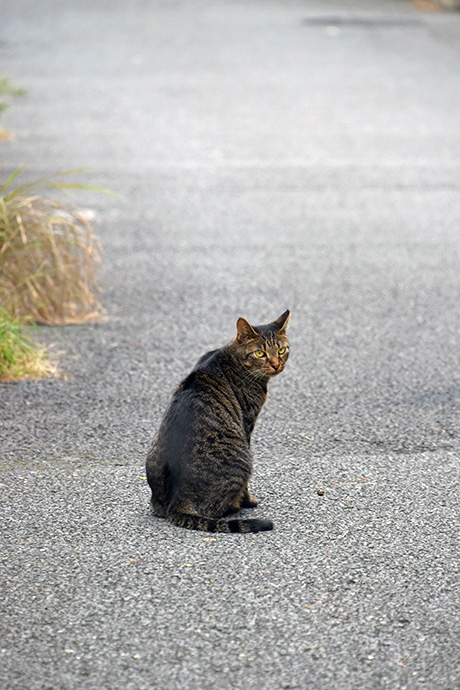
(199, 464)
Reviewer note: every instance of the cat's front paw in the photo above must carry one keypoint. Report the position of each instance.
(250, 502)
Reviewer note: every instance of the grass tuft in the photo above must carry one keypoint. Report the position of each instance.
(10, 91)
(49, 256)
(20, 357)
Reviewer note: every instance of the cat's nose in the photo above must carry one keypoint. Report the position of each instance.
(275, 363)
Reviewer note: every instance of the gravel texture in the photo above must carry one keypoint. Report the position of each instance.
(271, 155)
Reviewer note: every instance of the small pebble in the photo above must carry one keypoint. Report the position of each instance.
(320, 492)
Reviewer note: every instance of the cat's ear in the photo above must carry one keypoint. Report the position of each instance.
(244, 331)
(282, 322)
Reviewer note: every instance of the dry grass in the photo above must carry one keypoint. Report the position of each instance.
(20, 357)
(49, 257)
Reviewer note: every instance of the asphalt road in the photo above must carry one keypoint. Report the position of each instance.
(272, 155)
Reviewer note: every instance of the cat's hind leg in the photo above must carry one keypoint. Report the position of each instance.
(158, 508)
(156, 477)
(184, 515)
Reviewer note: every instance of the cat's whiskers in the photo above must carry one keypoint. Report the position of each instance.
(253, 374)
(248, 375)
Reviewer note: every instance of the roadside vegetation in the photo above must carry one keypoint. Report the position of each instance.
(50, 268)
(50, 265)
(21, 357)
(7, 92)
(49, 255)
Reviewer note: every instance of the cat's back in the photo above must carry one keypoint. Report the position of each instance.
(202, 396)
(207, 388)
(203, 404)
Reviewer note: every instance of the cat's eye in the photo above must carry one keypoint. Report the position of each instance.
(282, 350)
(259, 353)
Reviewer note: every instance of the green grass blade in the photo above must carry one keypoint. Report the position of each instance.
(87, 187)
(11, 178)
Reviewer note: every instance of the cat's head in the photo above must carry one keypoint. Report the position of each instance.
(263, 350)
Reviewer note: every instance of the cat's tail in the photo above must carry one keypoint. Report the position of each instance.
(204, 524)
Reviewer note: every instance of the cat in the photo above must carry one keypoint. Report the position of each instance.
(200, 462)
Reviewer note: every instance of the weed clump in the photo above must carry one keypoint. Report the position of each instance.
(49, 257)
(20, 356)
(8, 90)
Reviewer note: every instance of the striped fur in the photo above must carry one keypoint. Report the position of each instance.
(200, 462)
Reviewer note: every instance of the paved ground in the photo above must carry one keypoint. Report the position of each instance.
(272, 154)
